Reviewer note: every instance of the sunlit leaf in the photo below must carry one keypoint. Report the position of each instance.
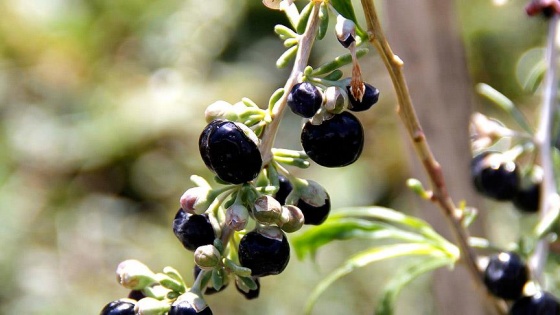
(308, 242)
(386, 306)
(367, 257)
(345, 8)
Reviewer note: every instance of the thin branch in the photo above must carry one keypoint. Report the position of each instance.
(410, 120)
(543, 142)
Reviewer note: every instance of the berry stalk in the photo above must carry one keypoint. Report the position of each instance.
(549, 196)
(304, 50)
(422, 148)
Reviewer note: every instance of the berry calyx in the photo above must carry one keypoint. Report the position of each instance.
(335, 142)
(371, 96)
(305, 99)
(495, 176)
(193, 230)
(265, 251)
(251, 294)
(506, 275)
(119, 307)
(209, 289)
(541, 303)
(230, 150)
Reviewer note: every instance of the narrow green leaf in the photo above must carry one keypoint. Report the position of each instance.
(338, 62)
(308, 242)
(386, 305)
(304, 18)
(367, 257)
(286, 57)
(284, 32)
(323, 21)
(334, 76)
(505, 104)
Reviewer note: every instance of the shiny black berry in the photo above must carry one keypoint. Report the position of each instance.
(528, 198)
(265, 251)
(506, 275)
(335, 142)
(252, 294)
(305, 99)
(495, 176)
(118, 307)
(371, 96)
(284, 189)
(136, 295)
(228, 150)
(542, 303)
(314, 215)
(209, 289)
(184, 307)
(193, 230)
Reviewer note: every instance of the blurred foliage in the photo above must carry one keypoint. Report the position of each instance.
(102, 103)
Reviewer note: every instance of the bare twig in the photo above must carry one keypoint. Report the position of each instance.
(410, 120)
(543, 142)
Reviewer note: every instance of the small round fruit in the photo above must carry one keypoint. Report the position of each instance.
(305, 99)
(118, 307)
(495, 176)
(528, 198)
(230, 150)
(506, 275)
(265, 251)
(284, 189)
(335, 142)
(252, 294)
(193, 230)
(542, 303)
(371, 96)
(185, 307)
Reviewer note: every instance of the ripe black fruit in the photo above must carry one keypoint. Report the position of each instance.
(495, 176)
(284, 189)
(229, 152)
(118, 307)
(252, 294)
(335, 142)
(193, 230)
(184, 307)
(314, 215)
(371, 96)
(542, 303)
(528, 198)
(305, 99)
(506, 275)
(265, 251)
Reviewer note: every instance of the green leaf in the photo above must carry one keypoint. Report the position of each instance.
(304, 18)
(367, 257)
(386, 305)
(286, 57)
(345, 8)
(334, 76)
(323, 21)
(308, 242)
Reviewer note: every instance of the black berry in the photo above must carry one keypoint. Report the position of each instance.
(542, 303)
(185, 307)
(193, 230)
(227, 150)
(284, 189)
(265, 251)
(506, 275)
(335, 142)
(118, 307)
(528, 198)
(495, 176)
(371, 96)
(136, 295)
(314, 215)
(305, 99)
(252, 294)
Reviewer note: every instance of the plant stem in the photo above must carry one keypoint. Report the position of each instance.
(543, 143)
(410, 120)
(304, 50)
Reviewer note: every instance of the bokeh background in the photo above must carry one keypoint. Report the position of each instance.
(101, 106)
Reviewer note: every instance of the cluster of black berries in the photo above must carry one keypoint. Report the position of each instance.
(331, 137)
(498, 177)
(506, 277)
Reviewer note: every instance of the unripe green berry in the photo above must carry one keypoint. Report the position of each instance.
(267, 210)
(207, 257)
(134, 275)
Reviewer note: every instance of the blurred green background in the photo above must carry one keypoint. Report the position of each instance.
(102, 103)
